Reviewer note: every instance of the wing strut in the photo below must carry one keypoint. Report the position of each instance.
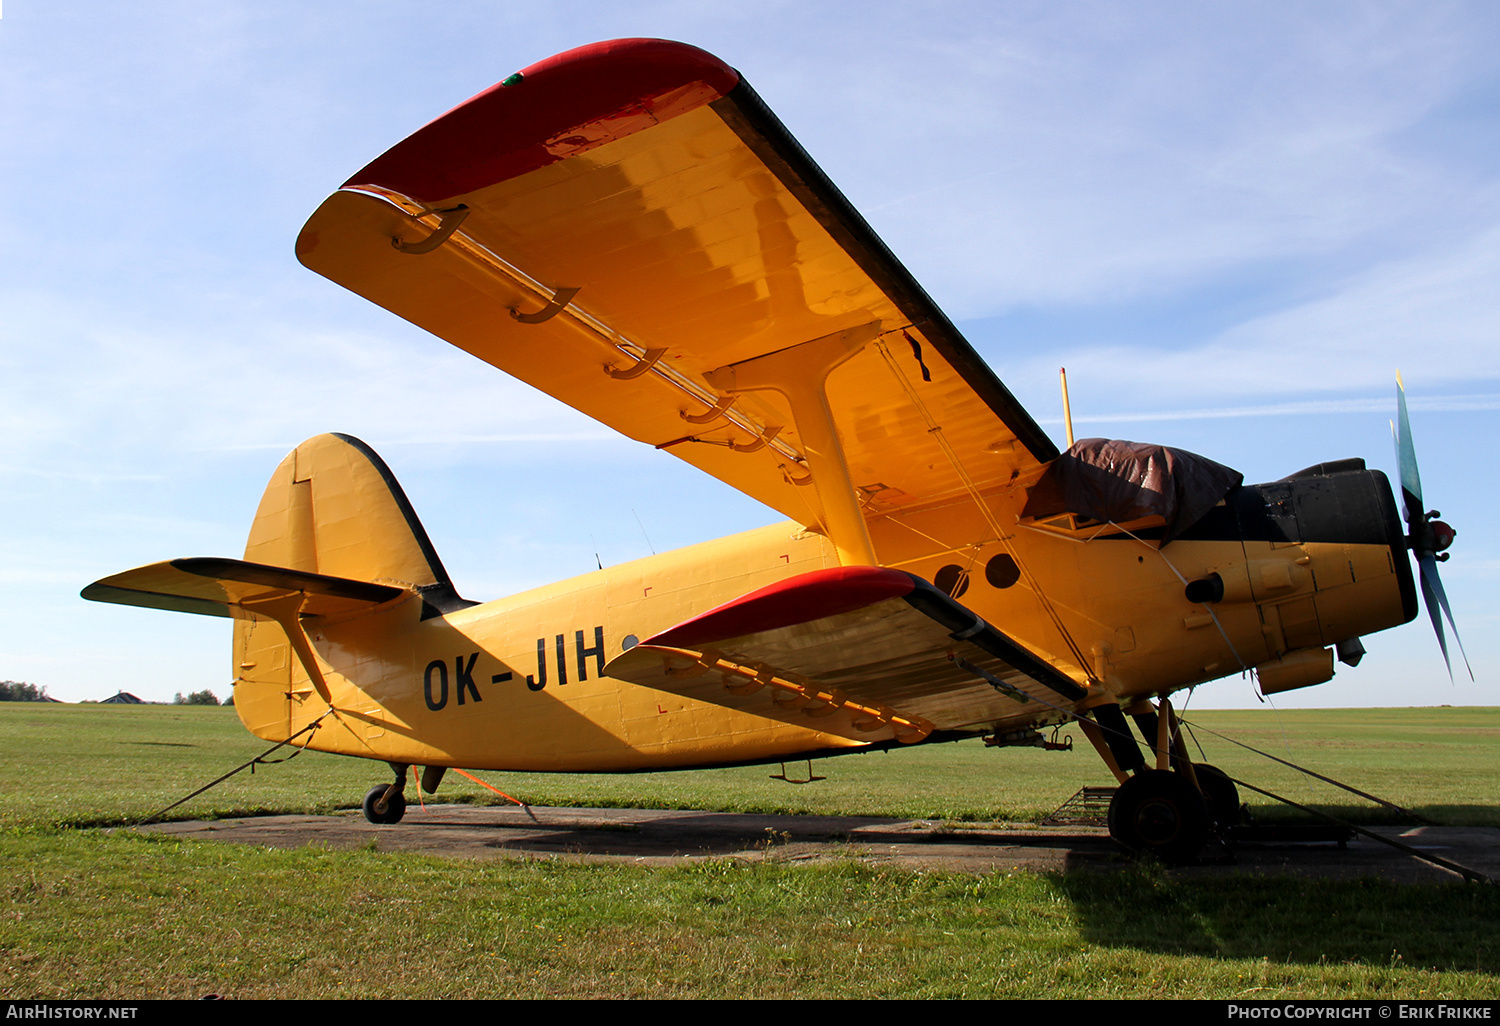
(936, 431)
(800, 373)
(286, 610)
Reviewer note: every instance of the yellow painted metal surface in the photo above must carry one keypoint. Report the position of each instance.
(512, 684)
(679, 238)
(669, 282)
(517, 683)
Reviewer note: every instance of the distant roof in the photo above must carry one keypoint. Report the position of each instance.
(122, 698)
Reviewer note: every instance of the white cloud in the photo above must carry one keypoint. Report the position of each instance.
(1435, 316)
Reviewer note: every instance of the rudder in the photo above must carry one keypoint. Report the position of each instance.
(333, 507)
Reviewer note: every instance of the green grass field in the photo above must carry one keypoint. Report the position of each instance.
(89, 765)
(117, 914)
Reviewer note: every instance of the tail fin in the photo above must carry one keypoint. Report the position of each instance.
(334, 508)
(334, 536)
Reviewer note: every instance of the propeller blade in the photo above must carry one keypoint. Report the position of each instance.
(1429, 599)
(1406, 457)
(1428, 535)
(1434, 598)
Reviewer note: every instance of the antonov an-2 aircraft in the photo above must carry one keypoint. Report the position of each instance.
(628, 228)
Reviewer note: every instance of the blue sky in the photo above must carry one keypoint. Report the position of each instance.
(1231, 222)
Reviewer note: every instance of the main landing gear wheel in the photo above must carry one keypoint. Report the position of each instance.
(1159, 812)
(1223, 796)
(395, 806)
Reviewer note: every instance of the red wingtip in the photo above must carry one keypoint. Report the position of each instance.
(558, 107)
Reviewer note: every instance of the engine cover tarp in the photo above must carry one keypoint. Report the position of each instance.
(1115, 482)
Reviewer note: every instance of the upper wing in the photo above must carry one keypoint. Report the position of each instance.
(863, 652)
(622, 226)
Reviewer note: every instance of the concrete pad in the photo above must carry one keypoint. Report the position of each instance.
(654, 837)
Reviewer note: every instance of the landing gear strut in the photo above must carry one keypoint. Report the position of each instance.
(1167, 810)
(386, 803)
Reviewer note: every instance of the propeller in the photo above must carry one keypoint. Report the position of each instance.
(1429, 537)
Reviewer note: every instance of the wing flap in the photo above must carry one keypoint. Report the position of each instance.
(232, 588)
(865, 653)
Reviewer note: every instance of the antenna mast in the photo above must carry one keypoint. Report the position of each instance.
(1067, 410)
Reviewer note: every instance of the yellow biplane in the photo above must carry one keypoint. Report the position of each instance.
(628, 228)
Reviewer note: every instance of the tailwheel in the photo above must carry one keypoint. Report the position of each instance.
(1223, 797)
(385, 804)
(1162, 813)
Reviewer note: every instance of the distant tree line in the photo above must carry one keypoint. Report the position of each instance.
(18, 691)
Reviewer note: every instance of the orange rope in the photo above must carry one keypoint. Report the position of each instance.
(481, 783)
(417, 777)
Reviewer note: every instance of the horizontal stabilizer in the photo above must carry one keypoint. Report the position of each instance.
(231, 587)
(867, 653)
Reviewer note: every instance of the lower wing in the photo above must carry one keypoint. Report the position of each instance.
(866, 653)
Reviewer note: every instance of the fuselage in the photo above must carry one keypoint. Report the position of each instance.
(518, 683)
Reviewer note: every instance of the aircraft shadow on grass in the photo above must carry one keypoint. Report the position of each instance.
(1324, 905)
(1290, 919)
